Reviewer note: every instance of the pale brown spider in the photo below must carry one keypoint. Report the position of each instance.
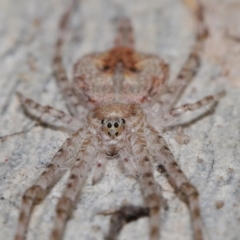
(118, 88)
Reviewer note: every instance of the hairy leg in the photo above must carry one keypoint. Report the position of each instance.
(78, 175)
(147, 182)
(166, 162)
(173, 114)
(49, 115)
(74, 104)
(47, 179)
(66, 202)
(191, 65)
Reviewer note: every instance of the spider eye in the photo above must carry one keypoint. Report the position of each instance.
(116, 125)
(133, 69)
(102, 121)
(109, 125)
(116, 134)
(123, 121)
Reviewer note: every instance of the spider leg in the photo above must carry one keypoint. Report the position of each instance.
(66, 203)
(165, 160)
(46, 180)
(169, 117)
(49, 115)
(152, 199)
(147, 182)
(191, 65)
(66, 87)
(197, 9)
(75, 183)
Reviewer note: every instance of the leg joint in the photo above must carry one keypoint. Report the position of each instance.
(189, 190)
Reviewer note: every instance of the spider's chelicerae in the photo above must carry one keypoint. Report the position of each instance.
(118, 88)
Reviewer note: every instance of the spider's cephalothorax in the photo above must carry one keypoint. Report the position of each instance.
(114, 123)
(117, 89)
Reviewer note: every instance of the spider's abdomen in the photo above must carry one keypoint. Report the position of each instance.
(121, 75)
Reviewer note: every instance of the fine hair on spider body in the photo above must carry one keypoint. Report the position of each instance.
(116, 89)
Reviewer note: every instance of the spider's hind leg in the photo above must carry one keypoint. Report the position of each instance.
(190, 67)
(173, 114)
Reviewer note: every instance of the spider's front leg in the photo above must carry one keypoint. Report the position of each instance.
(147, 182)
(165, 160)
(76, 180)
(47, 179)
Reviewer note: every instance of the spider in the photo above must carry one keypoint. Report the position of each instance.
(116, 89)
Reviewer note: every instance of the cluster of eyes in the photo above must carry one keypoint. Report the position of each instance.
(115, 125)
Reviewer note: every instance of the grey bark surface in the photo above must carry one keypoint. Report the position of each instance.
(210, 160)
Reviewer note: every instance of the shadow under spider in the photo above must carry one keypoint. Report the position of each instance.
(122, 216)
